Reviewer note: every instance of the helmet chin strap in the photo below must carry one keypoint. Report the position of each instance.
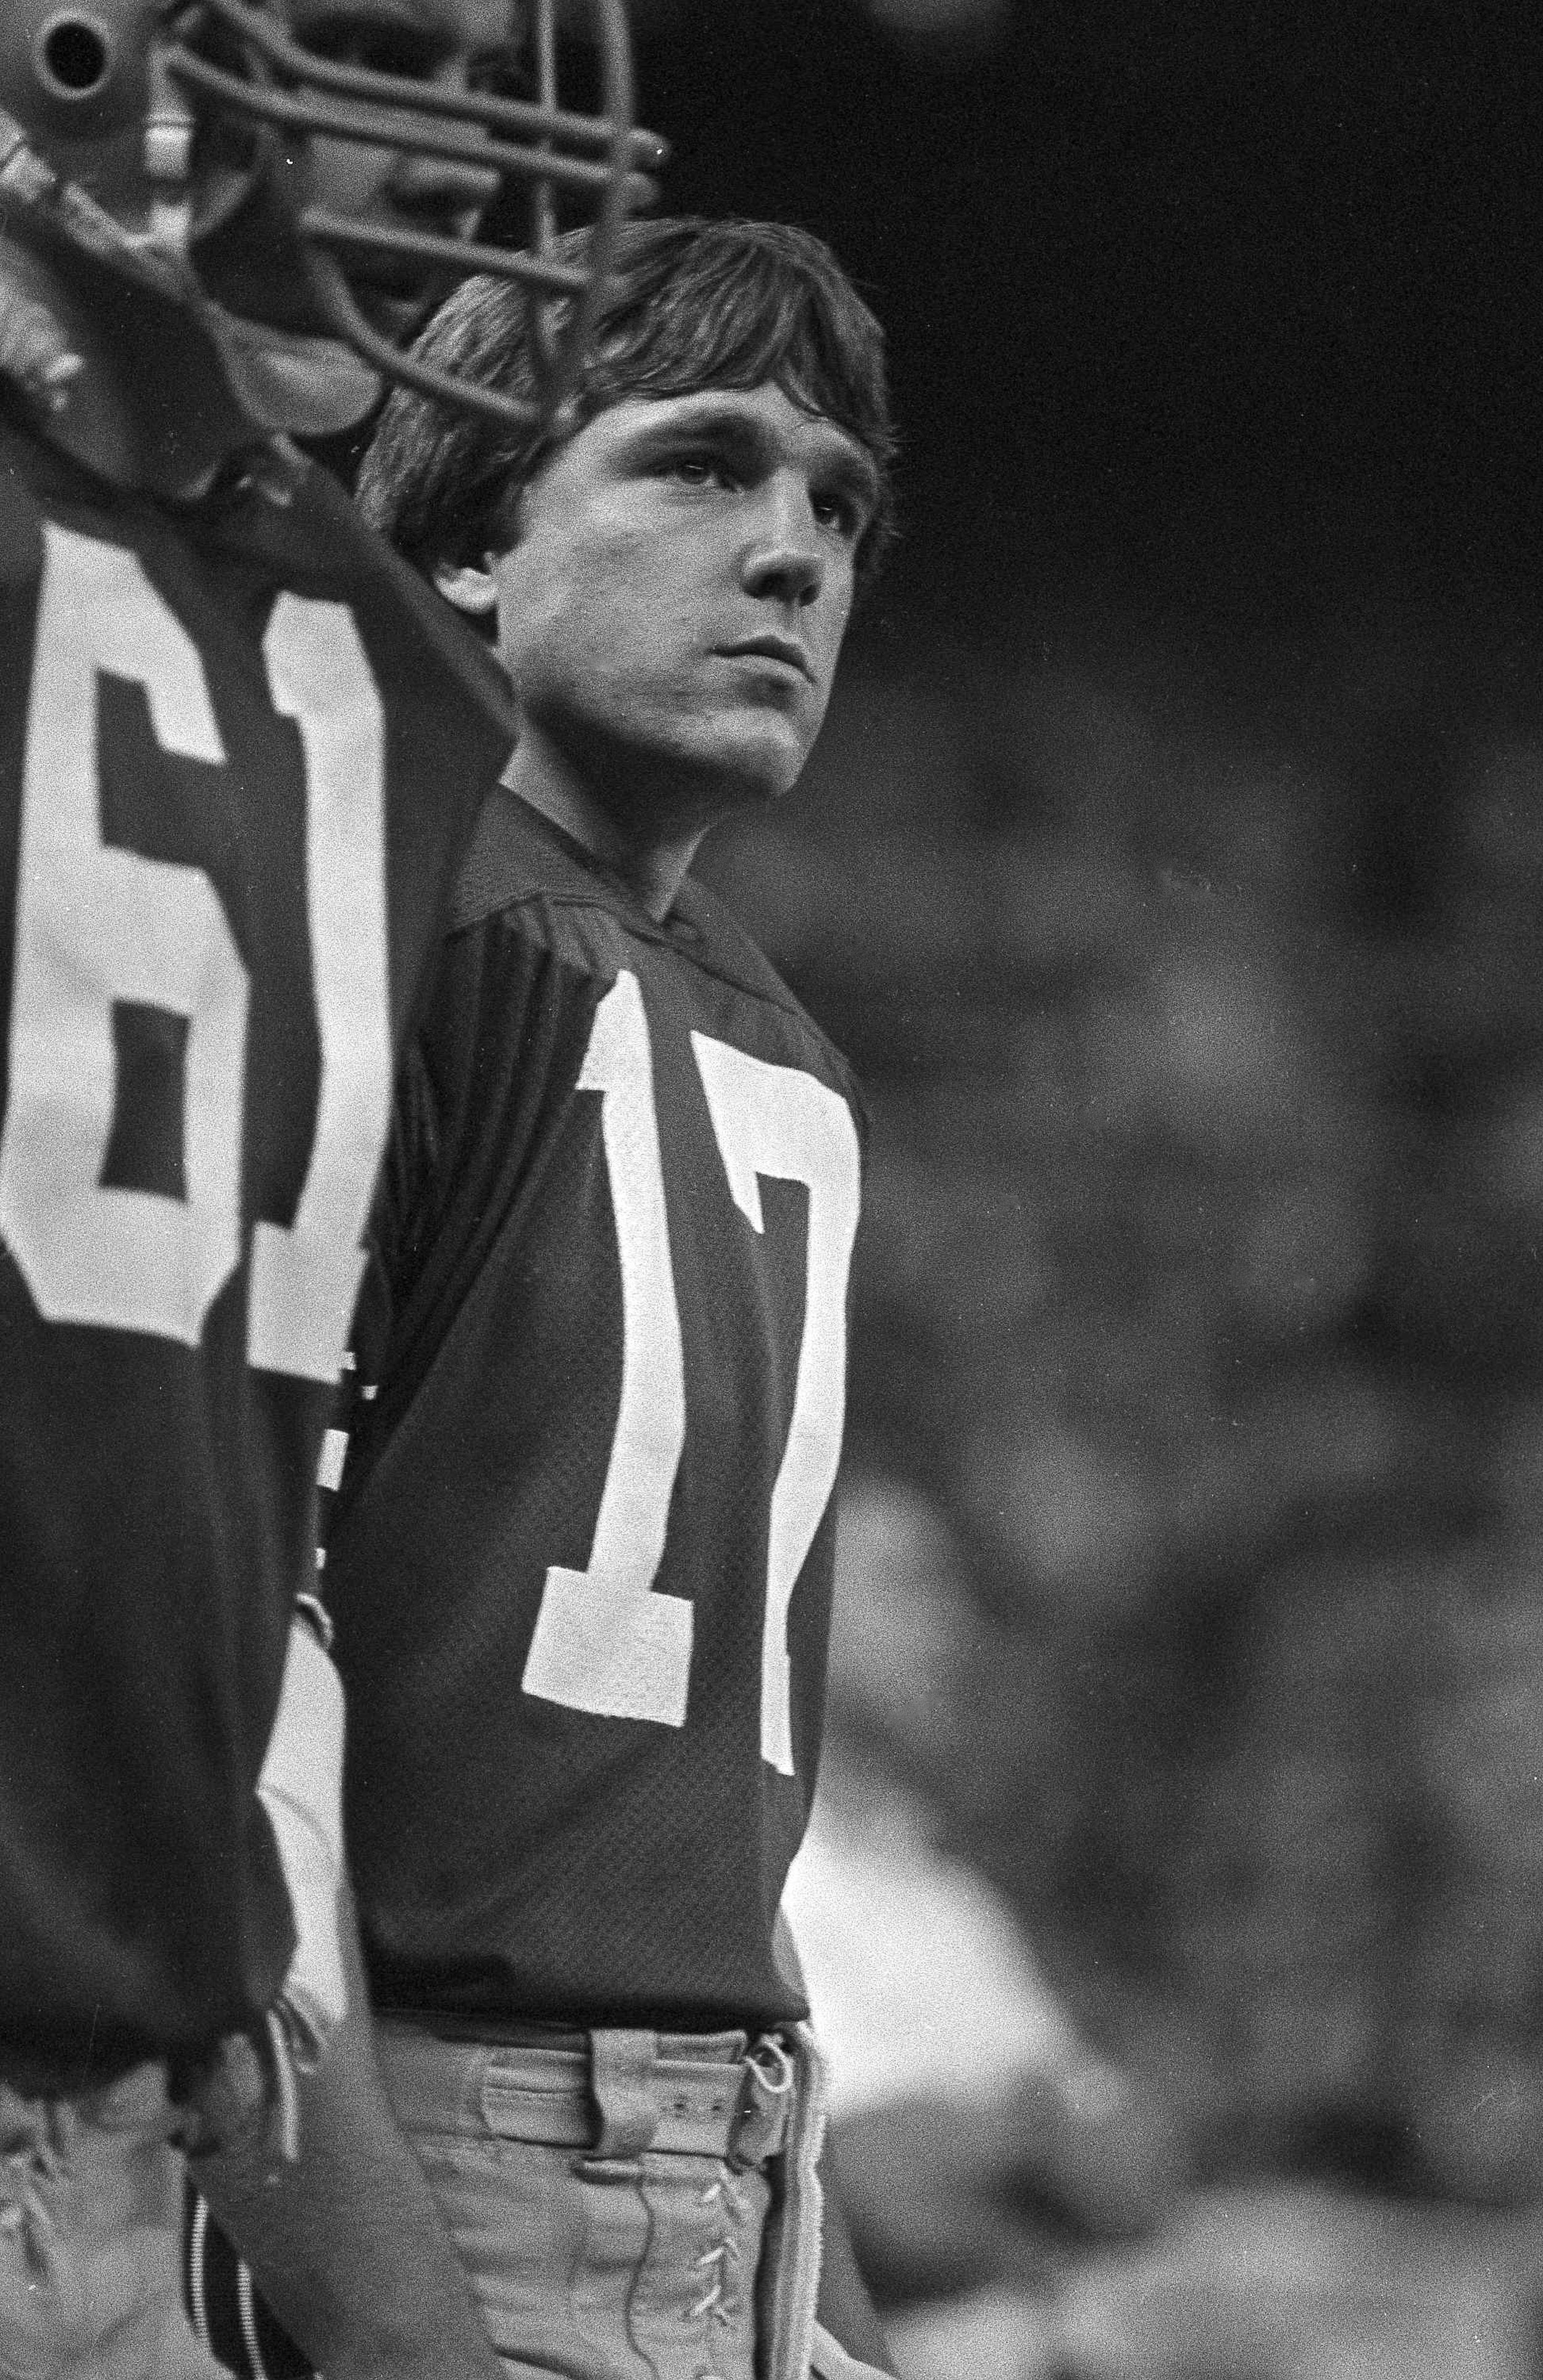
(282, 381)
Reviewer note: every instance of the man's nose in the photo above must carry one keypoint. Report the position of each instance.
(784, 558)
(442, 186)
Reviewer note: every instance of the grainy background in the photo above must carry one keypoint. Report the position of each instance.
(1172, 869)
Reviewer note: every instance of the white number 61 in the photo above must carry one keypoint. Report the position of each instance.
(97, 925)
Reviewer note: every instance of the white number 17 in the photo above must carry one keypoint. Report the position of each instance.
(604, 1641)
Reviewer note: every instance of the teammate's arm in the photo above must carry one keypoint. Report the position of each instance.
(347, 2246)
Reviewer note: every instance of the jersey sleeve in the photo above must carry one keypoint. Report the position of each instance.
(499, 1044)
(400, 1224)
(396, 1225)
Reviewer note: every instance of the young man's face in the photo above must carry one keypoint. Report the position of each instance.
(673, 612)
(456, 45)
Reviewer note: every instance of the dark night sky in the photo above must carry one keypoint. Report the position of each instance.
(1226, 305)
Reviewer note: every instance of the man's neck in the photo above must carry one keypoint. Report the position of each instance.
(653, 866)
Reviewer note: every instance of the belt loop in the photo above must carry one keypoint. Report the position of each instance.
(765, 2099)
(621, 2073)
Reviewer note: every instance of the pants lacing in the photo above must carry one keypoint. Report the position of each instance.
(722, 2259)
(28, 2163)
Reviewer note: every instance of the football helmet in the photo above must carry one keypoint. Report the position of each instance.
(141, 127)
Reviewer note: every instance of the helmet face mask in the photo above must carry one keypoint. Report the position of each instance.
(195, 129)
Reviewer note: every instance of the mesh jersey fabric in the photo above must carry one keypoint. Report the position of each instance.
(241, 751)
(562, 1802)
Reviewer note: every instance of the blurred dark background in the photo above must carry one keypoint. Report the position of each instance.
(1171, 869)
(1233, 307)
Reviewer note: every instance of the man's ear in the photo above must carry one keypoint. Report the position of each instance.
(470, 589)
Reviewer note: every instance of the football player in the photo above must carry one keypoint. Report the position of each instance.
(241, 749)
(581, 1560)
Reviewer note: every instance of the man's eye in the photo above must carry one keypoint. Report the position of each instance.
(841, 514)
(698, 470)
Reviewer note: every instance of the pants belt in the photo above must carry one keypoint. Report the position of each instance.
(619, 2094)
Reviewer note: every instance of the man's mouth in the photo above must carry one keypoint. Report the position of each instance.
(252, 263)
(785, 650)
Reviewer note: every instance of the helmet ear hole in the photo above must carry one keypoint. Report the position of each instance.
(74, 56)
(75, 71)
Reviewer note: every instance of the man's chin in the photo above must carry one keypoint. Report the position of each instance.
(772, 749)
(758, 771)
(679, 775)
(289, 306)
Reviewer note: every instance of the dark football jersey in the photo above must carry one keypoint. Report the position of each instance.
(579, 1562)
(240, 751)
